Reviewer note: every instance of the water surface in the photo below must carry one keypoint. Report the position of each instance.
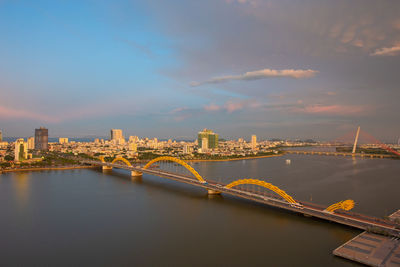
(91, 218)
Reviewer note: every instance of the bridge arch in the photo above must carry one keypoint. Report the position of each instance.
(265, 185)
(123, 160)
(344, 205)
(117, 159)
(180, 162)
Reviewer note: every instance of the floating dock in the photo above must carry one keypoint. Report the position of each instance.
(372, 249)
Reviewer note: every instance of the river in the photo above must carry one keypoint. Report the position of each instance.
(87, 217)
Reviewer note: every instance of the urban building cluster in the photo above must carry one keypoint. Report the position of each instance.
(23, 150)
(207, 145)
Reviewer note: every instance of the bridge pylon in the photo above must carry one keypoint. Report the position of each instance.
(106, 168)
(136, 174)
(213, 192)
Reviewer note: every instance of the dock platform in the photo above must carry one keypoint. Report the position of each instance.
(372, 249)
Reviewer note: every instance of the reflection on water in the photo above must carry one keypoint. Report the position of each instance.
(21, 184)
(95, 218)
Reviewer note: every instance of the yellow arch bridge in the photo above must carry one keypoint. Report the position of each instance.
(344, 205)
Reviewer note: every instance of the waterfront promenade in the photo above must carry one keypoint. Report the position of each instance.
(54, 168)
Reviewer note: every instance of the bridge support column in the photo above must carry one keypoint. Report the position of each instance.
(106, 168)
(213, 192)
(136, 174)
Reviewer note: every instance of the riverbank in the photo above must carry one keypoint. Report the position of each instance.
(48, 168)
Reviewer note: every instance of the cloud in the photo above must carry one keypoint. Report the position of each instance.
(212, 107)
(182, 113)
(387, 51)
(396, 24)
(89, 111)
(233, 106)
(261, 74)
(10, 113)
(331, 110)
(229, 106)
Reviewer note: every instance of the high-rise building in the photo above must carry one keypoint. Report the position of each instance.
(31, 142)
(204, 144)
(21, 150)
(1, 136)
(63, 140)
(41, 139)
(253, 142)
(132, 147)
(117, 137)
(212, 138)
(133, 138)
(116, 134)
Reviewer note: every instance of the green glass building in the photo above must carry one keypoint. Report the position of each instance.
(210, 135)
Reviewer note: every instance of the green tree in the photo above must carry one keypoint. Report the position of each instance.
(9, 157)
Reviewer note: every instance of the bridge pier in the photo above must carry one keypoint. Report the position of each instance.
(213, 192)
(106, 168)
(136, 174)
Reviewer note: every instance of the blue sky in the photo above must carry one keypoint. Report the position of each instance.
(170, 68)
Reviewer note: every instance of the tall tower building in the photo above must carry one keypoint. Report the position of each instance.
(1, 136)
(21, 150)
(31, 142)
(41, 139)
(204, 144)
(116, 135)
(212, 138)
(253, 142)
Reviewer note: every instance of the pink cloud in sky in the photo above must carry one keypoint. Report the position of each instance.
(233, 106)
(387, 51)
(10, 113)
(332, 109)
(229, 106)
(73, 114)
(212, 107)
(261, 74)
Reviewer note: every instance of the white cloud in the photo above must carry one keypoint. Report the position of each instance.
(387, 51)
(261, 74)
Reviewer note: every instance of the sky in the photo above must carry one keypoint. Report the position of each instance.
(167, 69)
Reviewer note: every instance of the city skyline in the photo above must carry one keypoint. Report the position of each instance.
(172, 69)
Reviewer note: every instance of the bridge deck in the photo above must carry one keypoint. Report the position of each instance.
(345, 154)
